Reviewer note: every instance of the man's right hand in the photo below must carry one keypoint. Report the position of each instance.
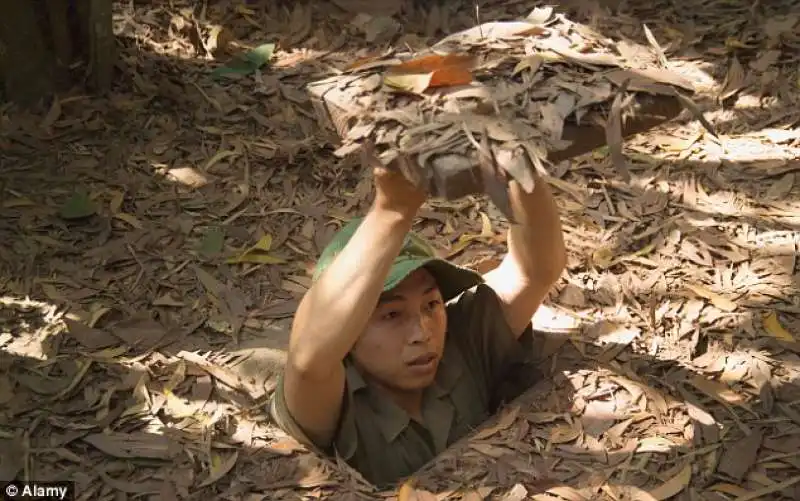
(395, 193)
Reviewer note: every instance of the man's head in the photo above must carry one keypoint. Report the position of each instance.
(404, 339)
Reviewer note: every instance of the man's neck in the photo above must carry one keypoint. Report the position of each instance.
(409, 401)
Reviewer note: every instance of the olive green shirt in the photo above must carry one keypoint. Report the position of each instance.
(379, 439)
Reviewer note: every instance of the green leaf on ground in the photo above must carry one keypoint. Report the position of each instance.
(78, 206)
(212, 242)
(252, 61)
(258, 253)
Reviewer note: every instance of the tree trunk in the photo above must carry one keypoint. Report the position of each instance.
(27, 66)
(42, 40)
(102, 49)
(58, 15)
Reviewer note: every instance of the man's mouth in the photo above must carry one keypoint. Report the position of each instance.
(422, 360)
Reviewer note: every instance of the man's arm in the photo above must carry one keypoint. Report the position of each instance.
(336, 309)
(536, 255)
(330, 318)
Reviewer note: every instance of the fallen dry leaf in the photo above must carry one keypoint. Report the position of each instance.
(738, 457)
(774, 328)
(674, 485)
(220, 466)
(568, 493)
(769, 489)
(628, 493)
(506, 420)
(720, 302)
(716, 390)
(258, 253)
(614, 133)
(563, 434)
(145, 487)
(408, 493)
(134, 445)
(94, 339)
(412, 82)
(517, 493)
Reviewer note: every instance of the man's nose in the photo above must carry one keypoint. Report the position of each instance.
(419, 331)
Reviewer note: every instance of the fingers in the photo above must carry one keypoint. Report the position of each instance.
(368, 156)
(384, 174)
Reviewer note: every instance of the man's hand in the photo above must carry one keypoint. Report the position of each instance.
(393, 192)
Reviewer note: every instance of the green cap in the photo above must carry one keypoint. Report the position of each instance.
(416, 253)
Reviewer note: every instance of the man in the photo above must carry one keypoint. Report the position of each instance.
(394, 354)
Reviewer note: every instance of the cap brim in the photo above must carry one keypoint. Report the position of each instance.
(451, 279)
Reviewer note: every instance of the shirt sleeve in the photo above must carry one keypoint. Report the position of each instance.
(345, 440)
(479, 326)
(283, 418)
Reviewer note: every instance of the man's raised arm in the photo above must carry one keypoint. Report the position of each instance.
(536, 255)
(336, 309)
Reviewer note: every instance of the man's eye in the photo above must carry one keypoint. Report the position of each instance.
(432, 305)
(392, 315)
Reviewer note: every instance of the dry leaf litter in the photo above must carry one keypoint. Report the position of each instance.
(158, 240)
(500, 95)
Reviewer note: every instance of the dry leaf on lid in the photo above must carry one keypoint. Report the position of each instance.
(614, 133)
(432, 71)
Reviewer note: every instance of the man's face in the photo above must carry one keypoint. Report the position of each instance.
(404, 339)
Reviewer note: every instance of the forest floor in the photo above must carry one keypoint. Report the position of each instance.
(158, 240)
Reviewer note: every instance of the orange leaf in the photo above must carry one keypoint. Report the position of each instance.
(433, 70)
(434, 62)
(450, 76)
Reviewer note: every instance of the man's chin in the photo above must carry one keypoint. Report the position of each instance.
(417, 382)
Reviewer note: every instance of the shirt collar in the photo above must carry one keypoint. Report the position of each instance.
(391, 419)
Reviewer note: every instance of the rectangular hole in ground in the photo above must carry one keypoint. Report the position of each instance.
(494, 453)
